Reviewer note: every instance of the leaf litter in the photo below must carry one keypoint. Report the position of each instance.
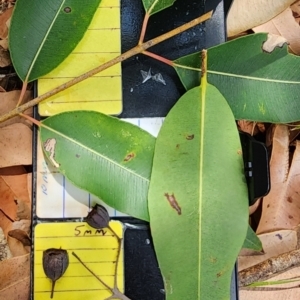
(15, 177)
(276, 216)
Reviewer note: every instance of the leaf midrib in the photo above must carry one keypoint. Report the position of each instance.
(201, 162)
(43, 42)
(252, 78)
(96, 153)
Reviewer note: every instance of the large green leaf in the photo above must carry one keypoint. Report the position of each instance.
(198, 201)
(252, 241)
(43, 33)
(258, 85)
(109, 158)
(154, 6)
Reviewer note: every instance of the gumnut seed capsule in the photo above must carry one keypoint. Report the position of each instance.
(55, 263)
(98, 217)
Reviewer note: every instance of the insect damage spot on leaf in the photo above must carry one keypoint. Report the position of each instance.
(67, 9)
(190, 137)
(129, 157)
(272, 42)
(173, 202)
(49, 146)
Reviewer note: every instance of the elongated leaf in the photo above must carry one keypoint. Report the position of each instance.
(252, 241)
(103, 155)
(43, 33)
(198, 197)
(154, 6)
(258, 86)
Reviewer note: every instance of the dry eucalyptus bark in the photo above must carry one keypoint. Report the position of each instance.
(269, 268)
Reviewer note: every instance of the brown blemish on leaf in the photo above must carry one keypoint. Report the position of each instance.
(77, 155)
(67, 9)
(129, 157)
(291, 217)
(268, 205)
(190, 137)
(213, 260)
(290, 199)
(177, 146)
(173, 202)
(239, 152)
(49, 146)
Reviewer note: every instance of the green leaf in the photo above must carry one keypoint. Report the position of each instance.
(252, 241)
(109, 158)
(198, 201)
(258, 85)
(154, 6)
(43, 33)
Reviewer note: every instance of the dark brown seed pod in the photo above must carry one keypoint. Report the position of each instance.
(98, 217)
(55, 263)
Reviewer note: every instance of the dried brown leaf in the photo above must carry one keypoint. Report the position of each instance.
(23, 211)
(254, 207)
(248, 127)
(19, 187)
(8, 101)
(24, 225)
(4, 27)
(246, 14)
(4, 22)
(15, 278)
(15, 145)
(281, 207)
(251, 127)
(14, 170)
(5, 223)
(284, 25)
(7, 203)
(296, 11)
(4, 56)
(19, 242)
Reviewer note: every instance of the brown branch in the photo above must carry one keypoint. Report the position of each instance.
(134, 51)
(269, 268)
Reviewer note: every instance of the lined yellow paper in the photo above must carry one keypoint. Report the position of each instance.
(98, 249)
(102, 92)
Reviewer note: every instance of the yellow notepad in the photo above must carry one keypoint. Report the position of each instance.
(96, 248)
(102, 92)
